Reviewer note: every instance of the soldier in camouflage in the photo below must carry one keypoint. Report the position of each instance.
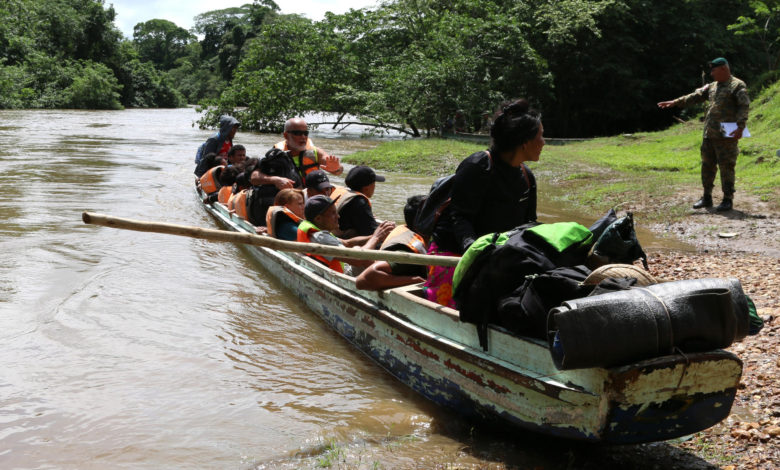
(728, 102)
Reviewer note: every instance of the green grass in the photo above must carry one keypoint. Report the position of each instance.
(646, 172)
(435, 157)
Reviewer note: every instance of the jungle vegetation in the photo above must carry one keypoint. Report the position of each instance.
(592, 67)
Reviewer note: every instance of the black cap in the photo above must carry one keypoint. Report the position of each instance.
(361, 176)
(316, 205)
(318, 180)
(718, 62)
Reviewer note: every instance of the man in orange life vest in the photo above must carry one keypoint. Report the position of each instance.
(305, 155)
(322, 219)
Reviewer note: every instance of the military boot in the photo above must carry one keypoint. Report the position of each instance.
(705, 201)
(725, 205)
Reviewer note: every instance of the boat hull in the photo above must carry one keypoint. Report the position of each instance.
(427, 348)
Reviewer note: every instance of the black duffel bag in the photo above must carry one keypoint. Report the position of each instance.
(640, 323)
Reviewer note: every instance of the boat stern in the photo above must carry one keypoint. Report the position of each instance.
(669, 397)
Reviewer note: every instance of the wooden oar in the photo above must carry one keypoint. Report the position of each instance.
(266, 241)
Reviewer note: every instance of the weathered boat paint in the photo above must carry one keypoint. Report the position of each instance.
(426, 347)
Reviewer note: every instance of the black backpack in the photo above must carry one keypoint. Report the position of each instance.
(435, 203)
(524, 311)
(618, 242)
(277, 162)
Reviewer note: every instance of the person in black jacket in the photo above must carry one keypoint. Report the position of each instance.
(493, 191)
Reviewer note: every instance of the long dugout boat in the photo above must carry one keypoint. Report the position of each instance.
(515, 382)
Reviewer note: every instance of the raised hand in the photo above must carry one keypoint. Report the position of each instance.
(331, 164)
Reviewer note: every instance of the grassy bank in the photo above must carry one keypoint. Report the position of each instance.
(654, 174)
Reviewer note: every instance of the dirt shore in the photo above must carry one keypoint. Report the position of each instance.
(743, 243)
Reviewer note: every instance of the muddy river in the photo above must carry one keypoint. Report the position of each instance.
(133, 350)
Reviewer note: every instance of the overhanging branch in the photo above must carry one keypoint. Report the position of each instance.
(358, 123)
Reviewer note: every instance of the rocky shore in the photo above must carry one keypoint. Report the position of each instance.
(750, 437)
(745, 244)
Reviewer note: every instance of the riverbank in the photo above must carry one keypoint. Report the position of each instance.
(741, 243)
(654, 176)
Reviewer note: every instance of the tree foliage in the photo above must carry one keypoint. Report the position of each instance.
(69, 53)
(161, 42)
(762, 22)
(592, 66)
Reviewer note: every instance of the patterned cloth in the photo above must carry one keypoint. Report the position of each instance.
(438, 287)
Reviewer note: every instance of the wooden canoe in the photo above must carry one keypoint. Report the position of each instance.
(515, 382)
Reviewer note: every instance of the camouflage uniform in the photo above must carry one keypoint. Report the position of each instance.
(729, 102)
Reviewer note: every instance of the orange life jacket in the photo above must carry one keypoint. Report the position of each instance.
(305, 230)
(272, 218)
(224, 194)
(209, 182)
(402, 236)
(306, 161)
(238, 203)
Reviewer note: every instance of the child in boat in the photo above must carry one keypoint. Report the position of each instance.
(227, 179)
(285, 215)
(321, 220)
(209, 161)
(354, 206)
(236, 155)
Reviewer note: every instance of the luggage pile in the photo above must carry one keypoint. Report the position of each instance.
(578, 289)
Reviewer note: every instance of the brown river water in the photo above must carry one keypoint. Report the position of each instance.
(132, 350)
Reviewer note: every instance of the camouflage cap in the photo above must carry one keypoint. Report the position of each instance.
(718, 62)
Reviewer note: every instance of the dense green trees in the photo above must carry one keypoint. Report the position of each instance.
(52, 54)
(161, 42)
(592, 67)
(762, 22)
(69, 54)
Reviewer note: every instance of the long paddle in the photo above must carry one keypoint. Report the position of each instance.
(266, 241)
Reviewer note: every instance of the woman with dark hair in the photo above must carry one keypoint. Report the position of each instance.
(493, 191)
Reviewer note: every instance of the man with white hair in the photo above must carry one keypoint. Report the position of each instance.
(305, 155)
